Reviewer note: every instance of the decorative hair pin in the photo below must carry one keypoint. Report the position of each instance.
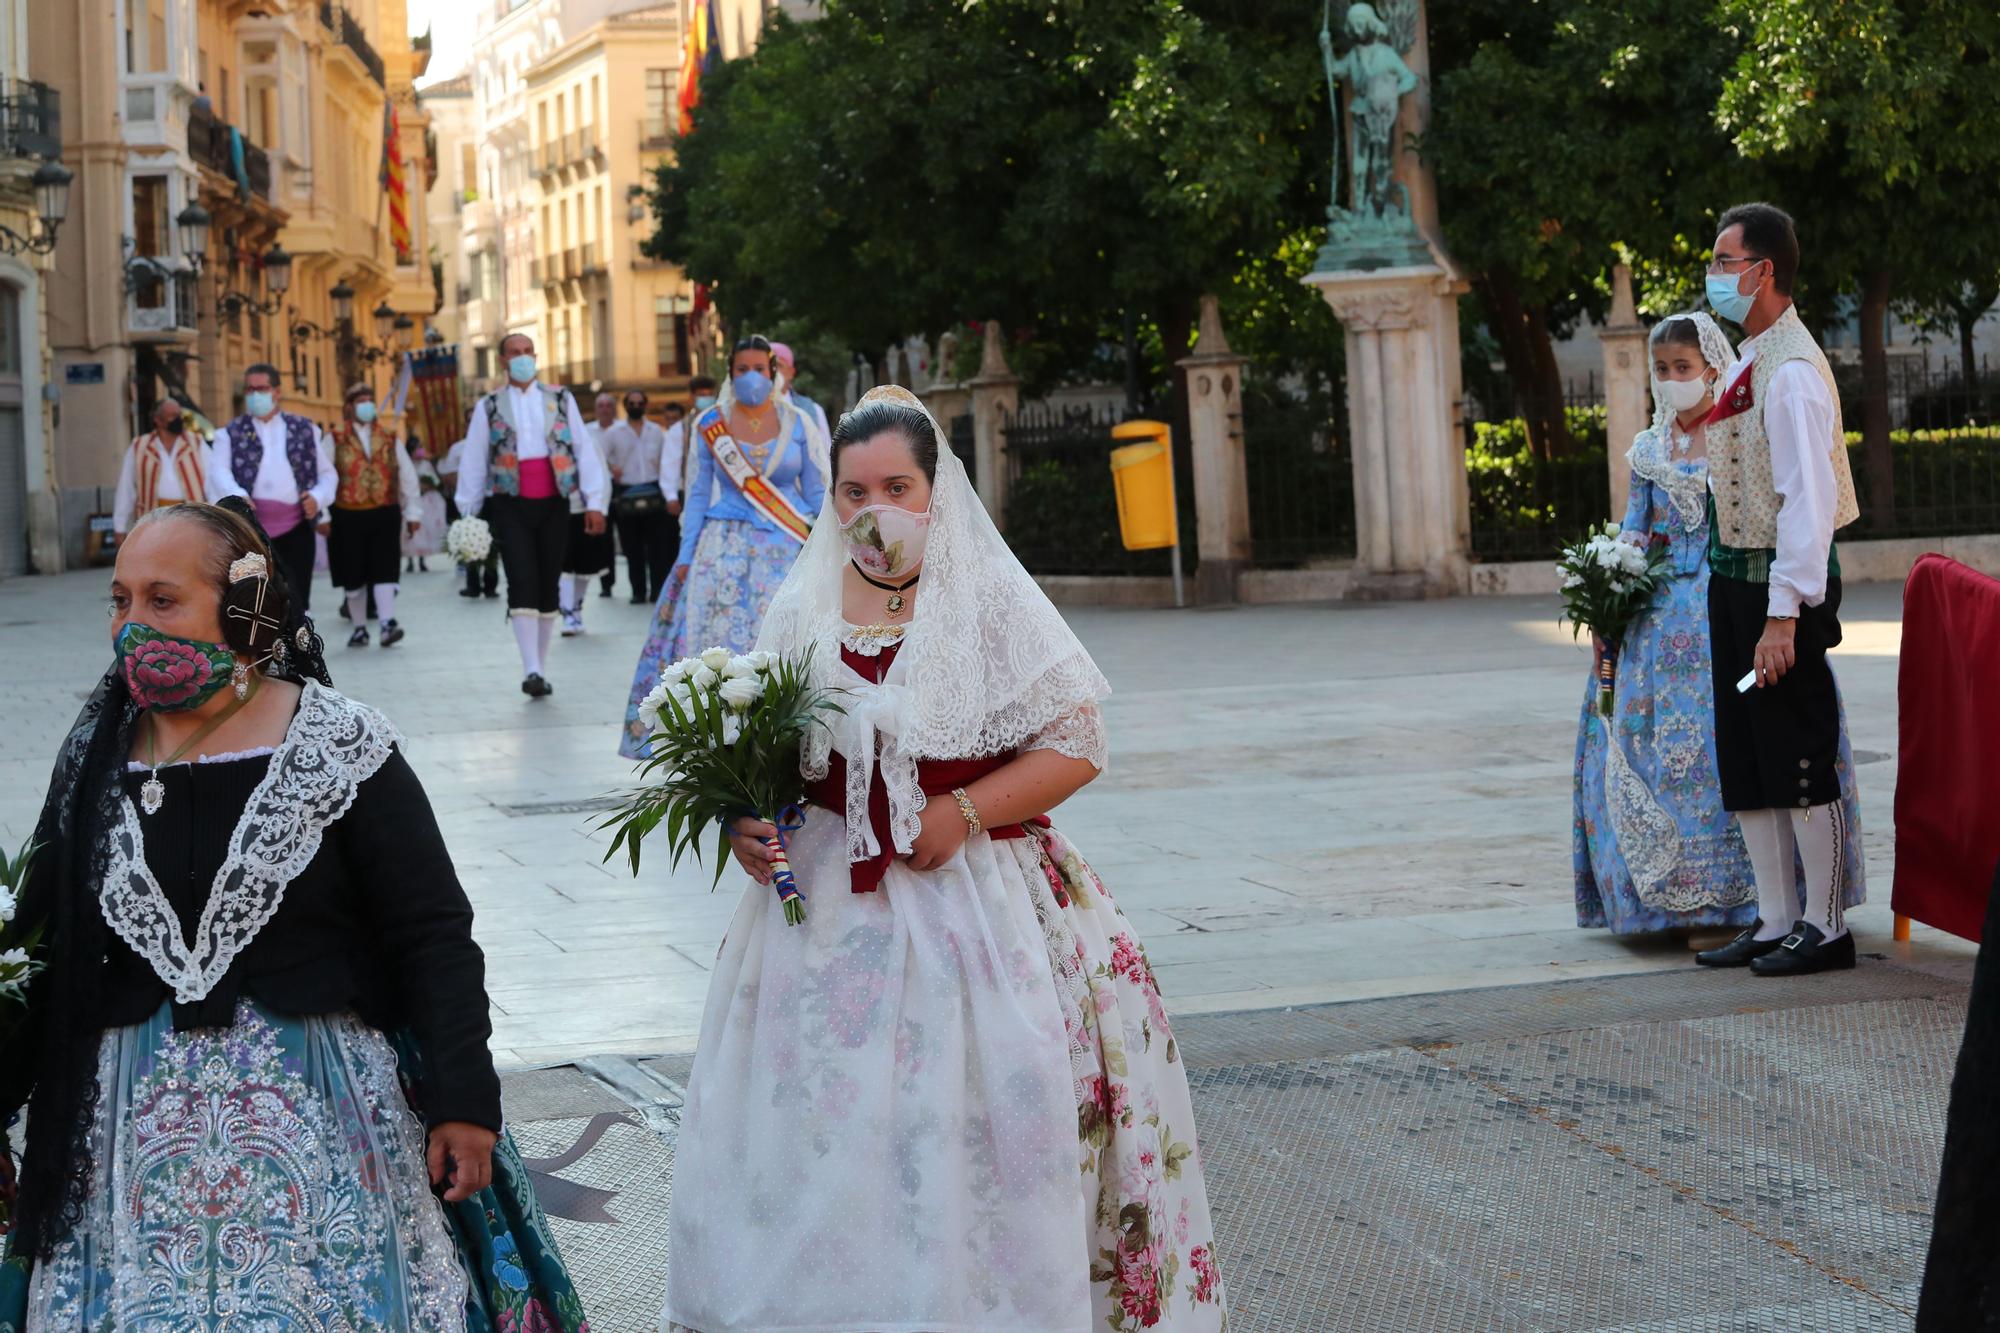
(251, 566)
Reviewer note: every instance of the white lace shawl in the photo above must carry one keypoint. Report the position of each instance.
(987, 665)
(332, 746)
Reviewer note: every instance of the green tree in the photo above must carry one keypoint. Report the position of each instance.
(1873, 121)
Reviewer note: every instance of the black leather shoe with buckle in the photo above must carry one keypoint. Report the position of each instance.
(1741, 951)
(1806, 950)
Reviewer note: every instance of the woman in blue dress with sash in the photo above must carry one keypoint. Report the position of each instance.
(755, 490)
(1653, 848)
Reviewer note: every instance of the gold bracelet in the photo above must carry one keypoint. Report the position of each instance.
(969, 810)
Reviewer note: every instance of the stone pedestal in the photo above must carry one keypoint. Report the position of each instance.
(996, 396)
(1221, 483)
(1627, 384)
(1403, 408)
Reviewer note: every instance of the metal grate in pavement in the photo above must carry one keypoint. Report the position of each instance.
(619, 1267)
(588, 806)
(548, 1094)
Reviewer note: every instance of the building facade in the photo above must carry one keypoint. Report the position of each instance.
(461, 269)
(30, 134)
(209, 139)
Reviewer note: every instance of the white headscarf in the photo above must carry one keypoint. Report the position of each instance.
(987, 662)
(1651, 458)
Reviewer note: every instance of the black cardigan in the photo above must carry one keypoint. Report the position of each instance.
(376, 923)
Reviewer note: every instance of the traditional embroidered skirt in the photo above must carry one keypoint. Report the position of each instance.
(272, 1175)
(953, 1105)
(737, 566)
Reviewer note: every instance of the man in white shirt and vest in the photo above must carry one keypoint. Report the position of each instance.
(1779, 487)
(166, 466)
(374, 502)
(279, 462)
(644, 500)
(525, 452)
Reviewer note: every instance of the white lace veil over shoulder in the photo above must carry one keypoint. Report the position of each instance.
(1649, 455)
(986, 665)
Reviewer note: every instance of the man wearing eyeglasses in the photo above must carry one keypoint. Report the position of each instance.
(1779, 487)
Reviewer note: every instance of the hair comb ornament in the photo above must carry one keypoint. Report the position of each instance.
(892, 393)
(260, 622)
(251, 566)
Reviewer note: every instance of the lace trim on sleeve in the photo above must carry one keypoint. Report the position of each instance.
(1077, 735)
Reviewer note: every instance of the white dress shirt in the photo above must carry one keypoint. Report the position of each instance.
(531, 434)
(166, 487)
(634, 453)
(675, 474)
(406, 475)
(1799, 417)
(274, 479)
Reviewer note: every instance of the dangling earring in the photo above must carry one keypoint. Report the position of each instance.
(240, 680)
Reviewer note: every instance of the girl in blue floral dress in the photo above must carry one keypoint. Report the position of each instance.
(1653, 848)
(741, 530)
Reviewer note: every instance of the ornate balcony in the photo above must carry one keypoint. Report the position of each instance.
(209, 144)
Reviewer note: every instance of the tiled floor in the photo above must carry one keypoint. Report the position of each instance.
(1305, 804)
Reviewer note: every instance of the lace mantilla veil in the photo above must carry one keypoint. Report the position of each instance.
(1650, 455)
(987, 662)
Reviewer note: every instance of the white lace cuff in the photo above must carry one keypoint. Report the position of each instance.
(1077, 735)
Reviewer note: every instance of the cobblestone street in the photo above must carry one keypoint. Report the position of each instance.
(1343, 833)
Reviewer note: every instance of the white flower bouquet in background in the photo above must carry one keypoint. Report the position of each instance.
(1606, 583)
(469, 541)
(725, 734)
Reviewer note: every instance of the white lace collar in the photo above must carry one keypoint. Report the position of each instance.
(1685, 481)
(332, 746)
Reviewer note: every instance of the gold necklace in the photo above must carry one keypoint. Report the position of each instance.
(153, 792)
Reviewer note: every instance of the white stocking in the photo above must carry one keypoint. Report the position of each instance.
(385, 601)
(529, 639)
(357, 606)
(566, 594)
(578, 592)
(545, 633)
(1822, 835)
(1768, 836)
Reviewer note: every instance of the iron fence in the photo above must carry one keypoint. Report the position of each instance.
(1525, 506)
(1301, 480)
(1062, 509)
(962, 437)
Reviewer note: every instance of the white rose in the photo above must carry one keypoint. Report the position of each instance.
(739, 666)
(674, 674)
(704, 678)
(715, 659)
(739, 692)
(650, 706)
(732, 728)
(14, 958)
(763, 661)
(1572, 581)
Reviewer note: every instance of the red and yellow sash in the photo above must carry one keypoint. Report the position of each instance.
(757, 489)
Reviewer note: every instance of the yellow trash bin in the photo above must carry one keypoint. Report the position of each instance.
(1143, 475)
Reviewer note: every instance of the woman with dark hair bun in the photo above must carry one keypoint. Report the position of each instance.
(245, 909)
(755, 491)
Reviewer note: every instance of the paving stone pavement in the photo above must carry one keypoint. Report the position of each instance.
(1305, 804)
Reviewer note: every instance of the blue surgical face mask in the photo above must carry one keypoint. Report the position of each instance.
(704, 401)
(521, 369)
(364, 412)
(259, 402)
(753, 388)
(1726, 300)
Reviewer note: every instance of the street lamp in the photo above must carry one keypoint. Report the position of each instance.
(193, 223)
(277, 271)
(385, 321)
(406, 329)
(343, 302)
(51, 181)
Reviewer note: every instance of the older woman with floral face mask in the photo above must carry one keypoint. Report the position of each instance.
(954, 1087)
(246, 909)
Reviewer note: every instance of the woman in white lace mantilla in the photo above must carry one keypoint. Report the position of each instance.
(1653, 848)
(260, 1040)
(951, 1100)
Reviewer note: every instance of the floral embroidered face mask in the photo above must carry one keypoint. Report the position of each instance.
(171, 675)
(886, 541)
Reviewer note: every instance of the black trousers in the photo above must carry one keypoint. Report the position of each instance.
(1777, 746)
(365, 546)
(649, 542)
(531, 535)
(297, 553)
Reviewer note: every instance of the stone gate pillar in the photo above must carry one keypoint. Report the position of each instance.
(1221, 481)
(996, 396)
(1627, 384)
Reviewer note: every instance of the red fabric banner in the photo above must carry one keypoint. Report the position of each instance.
(1947, 780)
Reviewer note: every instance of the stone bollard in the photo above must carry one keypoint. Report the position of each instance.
(1221, 482)
(996, 396)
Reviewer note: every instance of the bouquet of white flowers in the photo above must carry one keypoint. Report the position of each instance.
(725, 736)
(1606, 582)
(469, 541)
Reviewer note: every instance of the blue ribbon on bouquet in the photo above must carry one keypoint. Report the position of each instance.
(789, 821)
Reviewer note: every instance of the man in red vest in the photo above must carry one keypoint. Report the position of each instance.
(375, 500)
(166, 466)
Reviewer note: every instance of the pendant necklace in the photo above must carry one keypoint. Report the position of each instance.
(896, 601)
(153, 792)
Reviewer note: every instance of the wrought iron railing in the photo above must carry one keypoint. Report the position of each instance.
(30, 119)
(1062, 509)
(1301, 480)
(208, 144)
(354, 37)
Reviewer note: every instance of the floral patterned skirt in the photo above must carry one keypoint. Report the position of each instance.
(721, 602)
(272, 1175)
(951, 1105)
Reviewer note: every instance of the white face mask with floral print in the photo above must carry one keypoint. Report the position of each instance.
(885, 541)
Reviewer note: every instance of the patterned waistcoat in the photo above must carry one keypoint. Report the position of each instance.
(367, 481)
(155, 453)
(246, 451)
(503, 459)
(1739, 452)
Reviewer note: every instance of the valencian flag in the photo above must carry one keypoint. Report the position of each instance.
(395, 184)
(700, 49)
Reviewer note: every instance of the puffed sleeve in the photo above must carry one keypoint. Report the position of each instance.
(1079, 734)
(1638, 520)
(420, 917)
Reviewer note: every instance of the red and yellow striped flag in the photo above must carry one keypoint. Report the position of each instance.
(700, 49)
(395, 184)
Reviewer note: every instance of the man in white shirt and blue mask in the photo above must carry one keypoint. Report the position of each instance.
(1779, 488)
(279, 462)
(526, 450)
